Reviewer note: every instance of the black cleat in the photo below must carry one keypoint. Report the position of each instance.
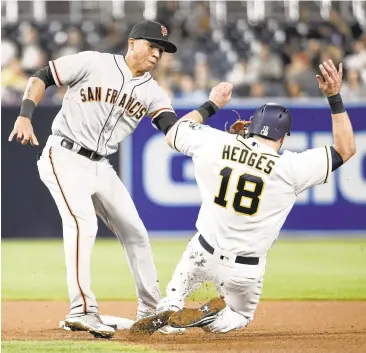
(150, 324)
(201, 317)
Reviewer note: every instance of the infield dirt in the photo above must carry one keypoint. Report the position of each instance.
(279, 326)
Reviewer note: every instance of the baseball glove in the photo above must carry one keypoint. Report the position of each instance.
(240, 127)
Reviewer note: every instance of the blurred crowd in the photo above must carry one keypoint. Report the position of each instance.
(267, 59)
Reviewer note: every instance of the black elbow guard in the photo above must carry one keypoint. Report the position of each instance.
(337, 159)
(165, 121)
(45, 75)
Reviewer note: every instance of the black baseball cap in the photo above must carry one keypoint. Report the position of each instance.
(154, 32)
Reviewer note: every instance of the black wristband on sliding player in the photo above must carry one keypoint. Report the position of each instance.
(336, 104)
(207, 109)
(27, 108)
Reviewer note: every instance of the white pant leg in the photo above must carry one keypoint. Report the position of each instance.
(116, 208)
(242, 297)
(193, 269)
(68, 178)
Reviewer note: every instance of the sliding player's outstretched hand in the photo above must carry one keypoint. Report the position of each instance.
(331, 82)
(221, 94)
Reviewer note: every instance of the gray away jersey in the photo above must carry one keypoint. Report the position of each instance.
(247, 189)
(103, 103)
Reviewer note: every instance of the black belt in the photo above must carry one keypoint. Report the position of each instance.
(94, 156)
(239, 259)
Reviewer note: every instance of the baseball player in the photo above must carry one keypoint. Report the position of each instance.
(107, 97)
(247, 191)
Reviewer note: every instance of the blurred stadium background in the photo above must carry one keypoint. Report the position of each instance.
(268, 50)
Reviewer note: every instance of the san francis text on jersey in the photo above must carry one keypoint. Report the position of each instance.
(253, 159)
(130, 105)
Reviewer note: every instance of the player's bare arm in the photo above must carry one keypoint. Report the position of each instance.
(330, 85)
(219, 96)
(33, 94)
(34, 90)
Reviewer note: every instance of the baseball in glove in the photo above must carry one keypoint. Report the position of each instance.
(240, 127)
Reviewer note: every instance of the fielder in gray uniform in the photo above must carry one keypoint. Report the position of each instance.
(247, 192)
(107, 97)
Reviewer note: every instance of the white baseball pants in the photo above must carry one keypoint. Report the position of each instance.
(241, 285)
(81, 189)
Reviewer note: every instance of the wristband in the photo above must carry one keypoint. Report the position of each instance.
(336, 104)
(207, 109)
(27, 108)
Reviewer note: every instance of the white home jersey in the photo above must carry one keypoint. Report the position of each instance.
(247, 189)
(103, 103)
